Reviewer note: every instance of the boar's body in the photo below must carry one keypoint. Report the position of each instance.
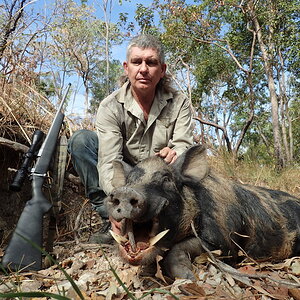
(153, 197)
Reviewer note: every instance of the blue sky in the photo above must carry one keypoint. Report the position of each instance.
(127, 6)
(44, 7)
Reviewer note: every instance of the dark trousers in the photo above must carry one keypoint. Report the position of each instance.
(83, 148)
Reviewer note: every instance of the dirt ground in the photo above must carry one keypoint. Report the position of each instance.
(99, 273)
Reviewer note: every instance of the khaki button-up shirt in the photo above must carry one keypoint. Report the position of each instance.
(124, 134)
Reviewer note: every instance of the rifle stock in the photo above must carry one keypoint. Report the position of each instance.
(23, 250)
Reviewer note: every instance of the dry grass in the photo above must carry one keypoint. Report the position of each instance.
(252, 172)
(23, 109)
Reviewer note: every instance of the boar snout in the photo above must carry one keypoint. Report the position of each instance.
(126, 203)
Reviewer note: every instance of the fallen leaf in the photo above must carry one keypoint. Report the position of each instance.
(159, 273)
(192, 289)
(201, 259)
(94, 296)
(67, 263)
(230, 279)
(204, 257)
(257, 286)
(74, 296)
(247, 270)
(112, 290)
(295, 293)
(90, 263)
(127, 276)
(295, 267)
(278, 292)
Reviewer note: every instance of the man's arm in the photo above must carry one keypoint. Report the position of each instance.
(183, 130)
(110, 138)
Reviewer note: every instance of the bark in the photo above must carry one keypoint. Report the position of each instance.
(13, 145)
(217, 126)
(286, 122)
(267, 59)
(107, 13)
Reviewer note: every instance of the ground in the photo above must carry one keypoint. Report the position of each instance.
(99, 273)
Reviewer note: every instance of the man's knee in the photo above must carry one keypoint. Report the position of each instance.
(82, 139)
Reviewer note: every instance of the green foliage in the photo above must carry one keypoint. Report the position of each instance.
(45, 86)
(78, 37)
(99, 82)
(209, 52)
(215, 42)
(211, 66)
(145, 19)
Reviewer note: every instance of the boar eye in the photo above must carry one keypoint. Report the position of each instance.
(166, 179)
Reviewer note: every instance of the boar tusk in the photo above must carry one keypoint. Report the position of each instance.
(118, 238)
(131, 235)
(155, 226)
(132, 241)
(123, 226)
(158, 237)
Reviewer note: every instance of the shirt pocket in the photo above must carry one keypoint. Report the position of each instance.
(163, 133)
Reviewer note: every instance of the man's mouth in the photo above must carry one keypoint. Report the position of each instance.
(144, 80)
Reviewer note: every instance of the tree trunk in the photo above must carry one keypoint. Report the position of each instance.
(107, 6)
(271, 85)
(285, 116)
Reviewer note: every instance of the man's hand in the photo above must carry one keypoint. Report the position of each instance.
(168, 154)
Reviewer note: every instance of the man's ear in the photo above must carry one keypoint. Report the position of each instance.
(163, 70)
(121, 170)
(125, 66)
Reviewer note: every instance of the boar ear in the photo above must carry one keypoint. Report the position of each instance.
(121, 170)
(193, 162)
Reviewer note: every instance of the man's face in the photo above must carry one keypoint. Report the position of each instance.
(144, 69)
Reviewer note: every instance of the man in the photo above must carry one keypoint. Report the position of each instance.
(145, 117)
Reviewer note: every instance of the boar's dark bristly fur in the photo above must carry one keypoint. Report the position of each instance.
(153, 197)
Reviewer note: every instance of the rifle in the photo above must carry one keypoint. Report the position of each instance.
(30, 155)
(23, 250)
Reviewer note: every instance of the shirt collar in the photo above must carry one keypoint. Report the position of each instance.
(160, 101)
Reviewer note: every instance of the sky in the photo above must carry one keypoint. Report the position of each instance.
(118, 51)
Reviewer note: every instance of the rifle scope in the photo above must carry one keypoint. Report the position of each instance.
(37, 139)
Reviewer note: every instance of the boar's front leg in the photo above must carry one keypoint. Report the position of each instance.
(178, 262)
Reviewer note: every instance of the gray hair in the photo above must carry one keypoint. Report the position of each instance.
(146, 41)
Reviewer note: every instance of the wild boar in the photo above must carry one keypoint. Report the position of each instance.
(154, 204)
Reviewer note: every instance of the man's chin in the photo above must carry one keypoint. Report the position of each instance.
(144, 86)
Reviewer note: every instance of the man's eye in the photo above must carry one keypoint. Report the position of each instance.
(136, 62)
(152, 63)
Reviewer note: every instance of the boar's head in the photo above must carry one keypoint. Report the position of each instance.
(148, 204)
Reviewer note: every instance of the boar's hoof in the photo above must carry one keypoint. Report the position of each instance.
(178, 271)
(177, 264)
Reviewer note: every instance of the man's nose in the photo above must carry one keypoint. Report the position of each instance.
(143, 67)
